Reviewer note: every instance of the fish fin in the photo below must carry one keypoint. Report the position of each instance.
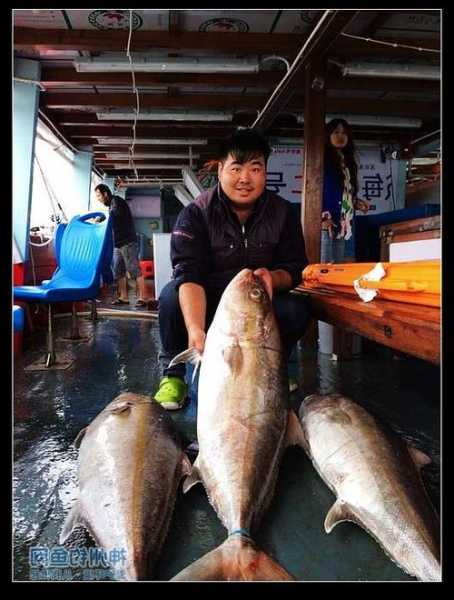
(340, 511)
(73, 520)
(195, 371)
(295, 433)
(193, 478)
(79, 437)
(121, 408)
(186, 465)
(237, 559)
(191, 355)
(419, 458)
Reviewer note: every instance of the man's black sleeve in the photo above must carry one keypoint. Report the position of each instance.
(190, 249)
(117, 208)
(291, 251)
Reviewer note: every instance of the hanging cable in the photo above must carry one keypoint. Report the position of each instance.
(393, 44)
(134, 88)
(52, 126)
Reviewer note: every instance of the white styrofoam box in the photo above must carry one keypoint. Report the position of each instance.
(415, 250)
(162, 262)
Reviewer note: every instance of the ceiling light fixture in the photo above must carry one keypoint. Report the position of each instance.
(390, 70)
(182, 194)
(191, 182)
(159, 155)
(165, 115)
(146, 64)
(372, 120)
(111, 141)
(155, 166)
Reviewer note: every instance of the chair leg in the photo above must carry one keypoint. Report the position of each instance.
(75, 334)
(50, 356)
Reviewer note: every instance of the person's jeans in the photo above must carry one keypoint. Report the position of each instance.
(291, 310)
(337, 251)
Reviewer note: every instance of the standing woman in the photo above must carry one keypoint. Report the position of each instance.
(340, 187)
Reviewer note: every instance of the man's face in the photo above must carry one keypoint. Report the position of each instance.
(102, 197)
(243, 183)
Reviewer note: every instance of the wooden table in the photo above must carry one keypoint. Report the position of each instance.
(409, 328)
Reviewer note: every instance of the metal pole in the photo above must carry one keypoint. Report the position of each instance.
(50, 358)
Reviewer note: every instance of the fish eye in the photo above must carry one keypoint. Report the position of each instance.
(255, 294)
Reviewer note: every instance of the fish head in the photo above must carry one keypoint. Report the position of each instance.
(245, 307)
(315, 404)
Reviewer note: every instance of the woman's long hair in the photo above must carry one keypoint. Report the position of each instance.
(332, 156)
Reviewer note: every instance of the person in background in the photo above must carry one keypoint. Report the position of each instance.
(126, 252)
(340, 199)
(235, 225)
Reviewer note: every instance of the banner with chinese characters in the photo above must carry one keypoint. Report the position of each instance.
(382, 184)
(285, 172)
(381, 180)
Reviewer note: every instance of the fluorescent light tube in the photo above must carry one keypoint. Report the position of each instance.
(167, 65)
(139, 166)
(191, 182)
(182, 194)
(121, 156)
(372, 120)
(165, 115)
(110, 141)
(390, 70)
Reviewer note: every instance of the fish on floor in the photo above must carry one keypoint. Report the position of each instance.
(130, 465)
(244, 425)
(376, 478)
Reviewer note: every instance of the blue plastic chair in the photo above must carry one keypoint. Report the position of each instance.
(82, 249)
(106, 270)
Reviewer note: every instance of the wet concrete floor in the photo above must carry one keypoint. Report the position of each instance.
(50, 407)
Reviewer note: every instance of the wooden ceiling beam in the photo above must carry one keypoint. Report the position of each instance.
(236, 102)
(232, 43)
(111, 41)
(127, 100)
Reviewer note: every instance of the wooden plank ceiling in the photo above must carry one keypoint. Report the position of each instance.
(72, 100)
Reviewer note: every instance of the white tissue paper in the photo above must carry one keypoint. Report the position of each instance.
(377, 273)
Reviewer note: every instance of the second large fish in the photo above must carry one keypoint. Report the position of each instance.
(244, 425)
(375, 477)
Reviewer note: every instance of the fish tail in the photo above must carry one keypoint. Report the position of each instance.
(237, 559)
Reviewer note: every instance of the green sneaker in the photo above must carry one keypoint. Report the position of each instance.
(171, 393)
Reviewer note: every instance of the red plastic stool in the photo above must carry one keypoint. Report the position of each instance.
(147, 268)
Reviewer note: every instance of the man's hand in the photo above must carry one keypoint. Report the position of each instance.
(196, 339)
(266, 277)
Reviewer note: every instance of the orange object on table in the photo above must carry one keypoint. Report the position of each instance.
(415, 282)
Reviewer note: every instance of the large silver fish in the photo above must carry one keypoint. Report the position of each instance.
(243, 426)
(130, 466)
(376, 479)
